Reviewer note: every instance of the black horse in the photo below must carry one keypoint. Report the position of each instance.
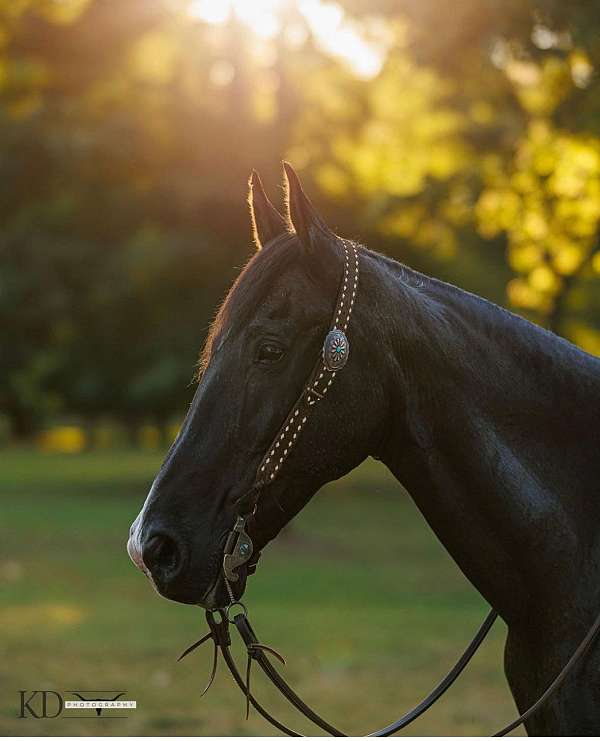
(490, 422)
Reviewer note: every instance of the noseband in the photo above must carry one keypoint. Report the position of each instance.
(239, 549)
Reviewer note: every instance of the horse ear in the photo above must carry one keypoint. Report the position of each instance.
(302, 214)
(267, 222)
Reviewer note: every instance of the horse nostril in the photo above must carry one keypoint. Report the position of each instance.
(161, 555)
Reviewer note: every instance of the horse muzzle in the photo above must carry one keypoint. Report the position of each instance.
(180, 572)
(164, 559)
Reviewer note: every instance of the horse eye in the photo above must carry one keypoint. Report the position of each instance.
(269, 353)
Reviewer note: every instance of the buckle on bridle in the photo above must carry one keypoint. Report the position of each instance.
(238, 550)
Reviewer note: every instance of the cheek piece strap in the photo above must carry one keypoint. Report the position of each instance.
(239, 551)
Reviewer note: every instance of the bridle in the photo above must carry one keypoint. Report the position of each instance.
(239, 549)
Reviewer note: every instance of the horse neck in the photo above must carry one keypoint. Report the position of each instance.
(493, 431)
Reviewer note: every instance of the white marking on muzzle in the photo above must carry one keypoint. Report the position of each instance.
(134, 546)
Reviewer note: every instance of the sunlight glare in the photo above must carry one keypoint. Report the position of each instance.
(210, 11)
(338, 36)
(259, 15)
(333, 31)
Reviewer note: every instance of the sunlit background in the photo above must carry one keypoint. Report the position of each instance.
(461, 138)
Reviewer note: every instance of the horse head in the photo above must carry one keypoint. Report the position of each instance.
(262, 346)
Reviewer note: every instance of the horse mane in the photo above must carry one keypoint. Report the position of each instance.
(450, 306)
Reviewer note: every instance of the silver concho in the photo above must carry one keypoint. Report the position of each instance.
(336, 349)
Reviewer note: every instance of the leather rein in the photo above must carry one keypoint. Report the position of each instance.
(239, 551)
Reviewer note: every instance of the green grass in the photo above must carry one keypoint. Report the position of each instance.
(358, 595)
